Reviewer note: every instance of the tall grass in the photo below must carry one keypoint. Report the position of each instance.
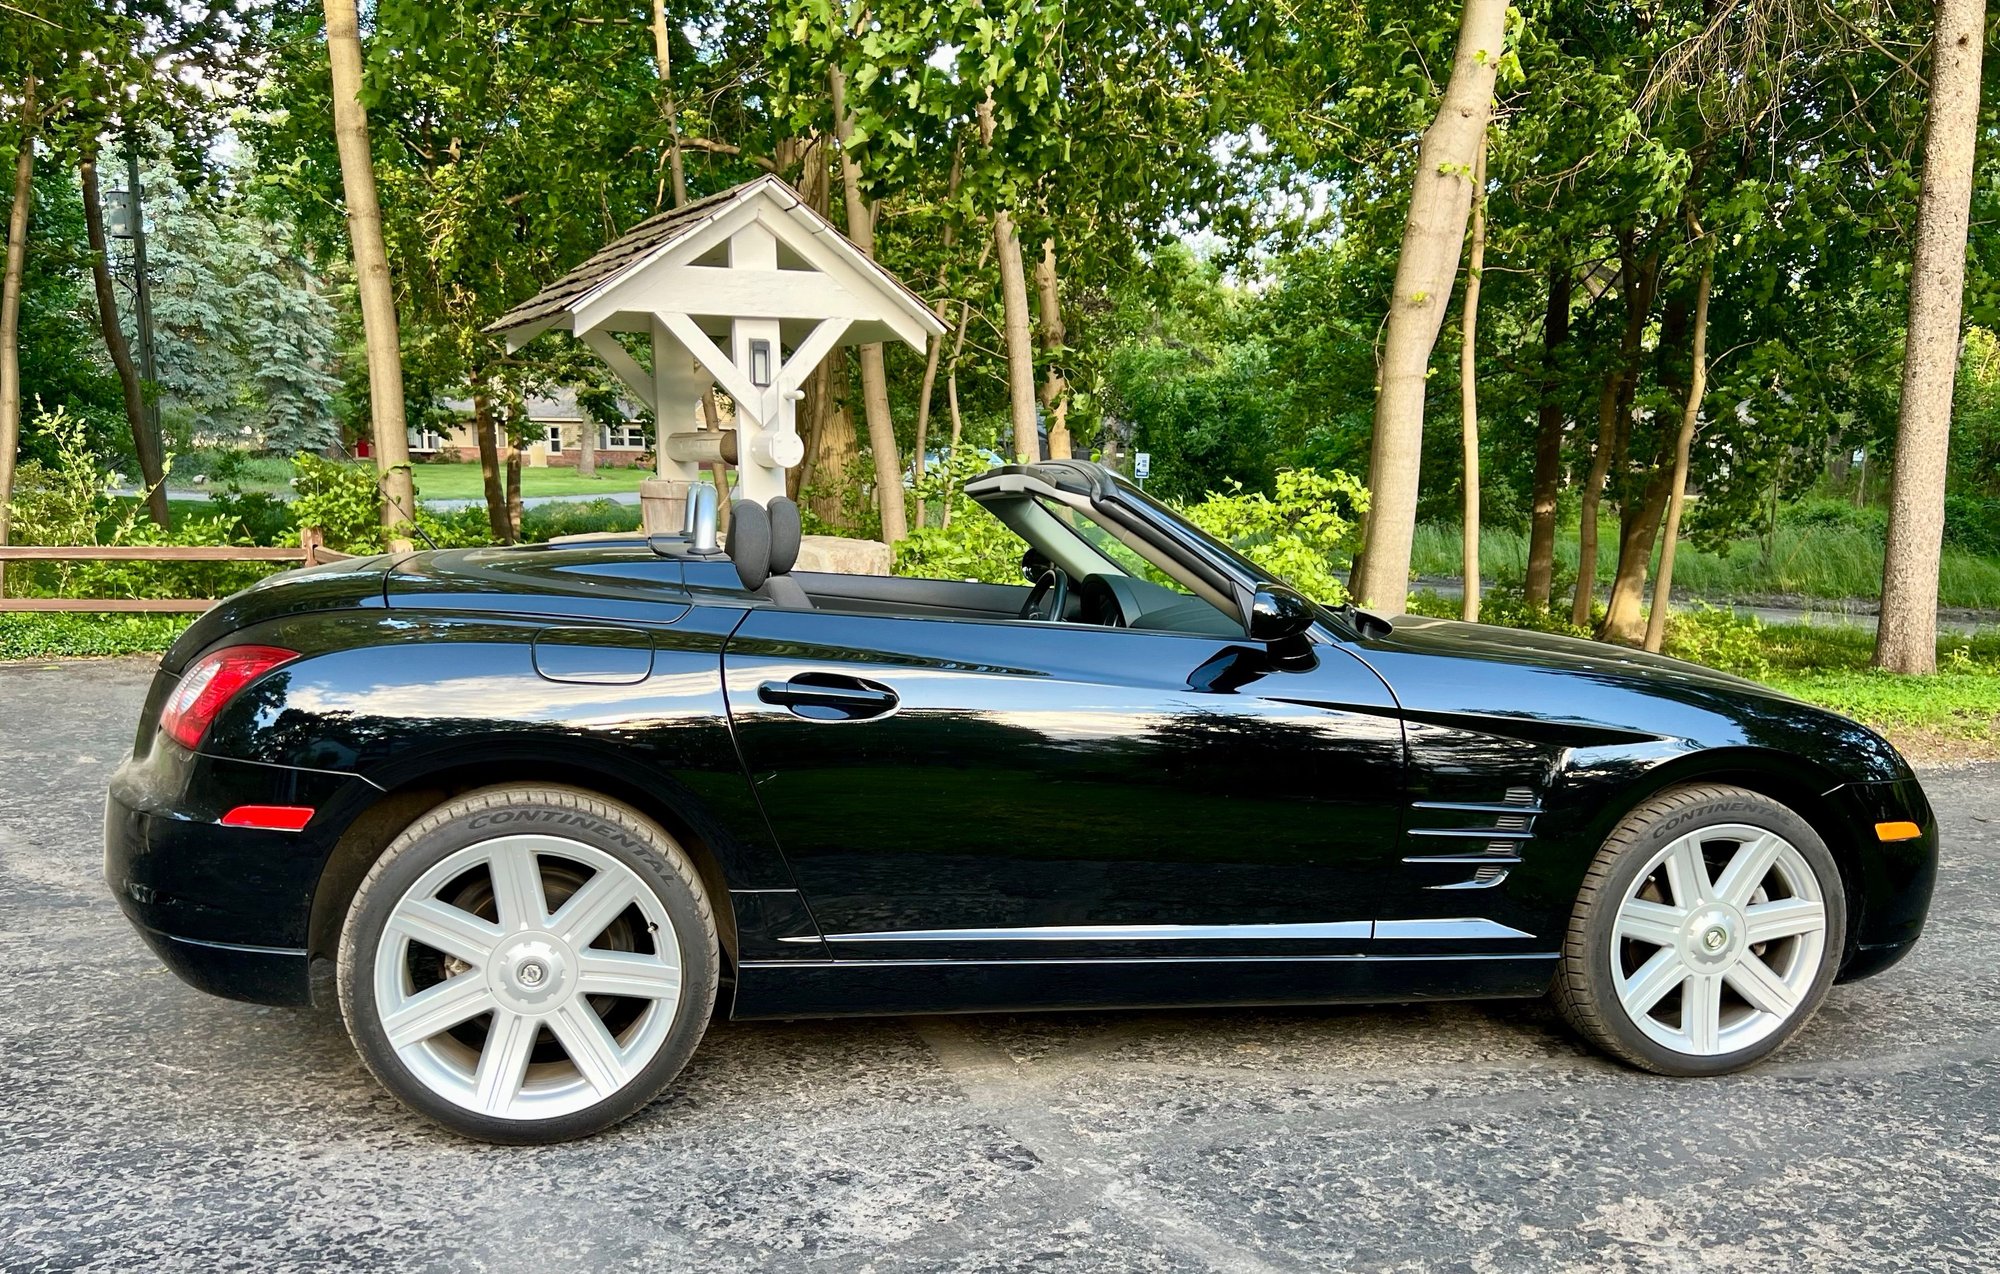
(1810, 561)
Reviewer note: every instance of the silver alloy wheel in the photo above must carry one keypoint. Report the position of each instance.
(567, 1023)
(1709, 963)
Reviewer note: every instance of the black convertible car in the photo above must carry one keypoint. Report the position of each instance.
(526, 814)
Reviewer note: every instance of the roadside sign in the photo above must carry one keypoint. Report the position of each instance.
(1142, 465)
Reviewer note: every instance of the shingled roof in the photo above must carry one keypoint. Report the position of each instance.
(645, 240)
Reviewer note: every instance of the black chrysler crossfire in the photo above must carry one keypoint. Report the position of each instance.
(526, 815)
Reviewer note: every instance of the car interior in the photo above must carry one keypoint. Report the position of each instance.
(1077, 568)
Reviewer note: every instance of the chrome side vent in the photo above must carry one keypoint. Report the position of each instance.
(1505, 826)
(1484, 878)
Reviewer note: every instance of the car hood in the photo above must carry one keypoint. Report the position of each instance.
(1578, 693)
(1489, 643)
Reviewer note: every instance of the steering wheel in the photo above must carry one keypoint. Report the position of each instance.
(1049, 598)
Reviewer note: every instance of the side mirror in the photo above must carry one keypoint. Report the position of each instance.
(1278, 614)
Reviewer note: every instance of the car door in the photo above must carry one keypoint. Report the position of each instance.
(1011, 789)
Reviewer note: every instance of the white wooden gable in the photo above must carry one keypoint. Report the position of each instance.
(748, 289)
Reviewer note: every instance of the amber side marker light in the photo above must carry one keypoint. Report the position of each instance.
(1897, 831)
(271, 818)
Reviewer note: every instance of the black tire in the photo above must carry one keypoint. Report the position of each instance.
(1585, 991)
(584, 817)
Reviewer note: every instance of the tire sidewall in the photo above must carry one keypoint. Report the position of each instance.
(1710, 808)
(483, 816)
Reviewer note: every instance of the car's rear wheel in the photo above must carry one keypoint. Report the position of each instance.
(1707, 932)
(528, 964)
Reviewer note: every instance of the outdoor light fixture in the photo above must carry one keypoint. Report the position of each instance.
(760, 363)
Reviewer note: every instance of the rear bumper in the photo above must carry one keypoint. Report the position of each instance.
(262, 975)
(227, 909)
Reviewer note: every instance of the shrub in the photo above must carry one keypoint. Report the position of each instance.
(1719, 639)
(1306, 534)
(973, 545)
(1972, 524)
(69, 502)
(340, 500)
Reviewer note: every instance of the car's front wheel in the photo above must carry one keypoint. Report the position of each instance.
(528, 964)
(1707, 932)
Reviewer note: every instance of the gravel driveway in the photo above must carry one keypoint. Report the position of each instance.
(146, 1126)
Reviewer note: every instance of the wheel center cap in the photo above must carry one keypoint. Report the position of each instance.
(1711, 936)
(532, 972)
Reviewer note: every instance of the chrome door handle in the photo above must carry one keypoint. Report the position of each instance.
(838, 698)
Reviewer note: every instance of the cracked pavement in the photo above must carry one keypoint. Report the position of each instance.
(145, 1125)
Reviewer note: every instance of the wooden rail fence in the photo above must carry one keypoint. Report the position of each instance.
(311, 551)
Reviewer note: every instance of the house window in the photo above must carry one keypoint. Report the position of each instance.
(625, 437)
(425, 442)
(553, 436)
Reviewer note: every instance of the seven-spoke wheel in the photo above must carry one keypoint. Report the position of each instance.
(528, 965)
(1706, 933)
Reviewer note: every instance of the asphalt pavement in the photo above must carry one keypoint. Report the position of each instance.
(146, 1126)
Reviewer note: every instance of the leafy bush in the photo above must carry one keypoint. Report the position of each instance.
(1718, 638)
(69, 501)
(1203, 419)
(38, 636)
(973, 545)
(340, 500)
(1306, 534)
(546, 521)
(1972, 524)
(1835, 515)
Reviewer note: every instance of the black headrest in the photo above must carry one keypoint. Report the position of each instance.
(750, 542)
(786, 533)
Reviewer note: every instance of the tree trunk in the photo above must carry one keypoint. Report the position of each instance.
(1433, 237)
(489, 461)
(833, 454)
(1020, 350)
(663, 57)
(152, 466)
(1906, 639)
(951, 397)
(10, 306)
(1611, 400)
(1642, 493)
(874, 378)
(1468, 393)
(934, 351)
(1637, 530)
(1548, 446)
(1055, 386)
(513, 490)
(1663, 579)
(586, 447)
(371, 274)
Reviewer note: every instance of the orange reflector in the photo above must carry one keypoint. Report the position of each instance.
(272, 818)
(1897, 831)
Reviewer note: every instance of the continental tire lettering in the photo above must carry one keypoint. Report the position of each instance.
(570, 819)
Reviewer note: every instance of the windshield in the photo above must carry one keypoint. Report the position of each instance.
(1129, 490)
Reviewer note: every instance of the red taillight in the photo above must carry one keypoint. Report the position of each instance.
(210, 683)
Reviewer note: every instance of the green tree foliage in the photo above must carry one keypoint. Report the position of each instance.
(244, 329)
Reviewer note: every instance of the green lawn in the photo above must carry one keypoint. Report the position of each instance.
(462, 481)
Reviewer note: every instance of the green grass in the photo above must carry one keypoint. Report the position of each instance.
(39, 636)
(1952, 704)
(462, 482)
(1825, 562)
